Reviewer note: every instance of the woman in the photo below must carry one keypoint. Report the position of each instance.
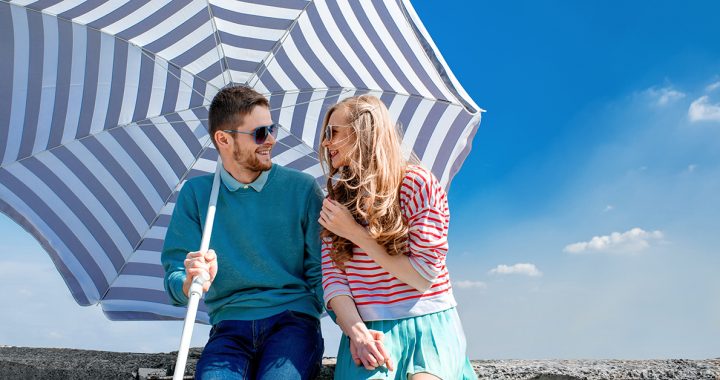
(384, 246)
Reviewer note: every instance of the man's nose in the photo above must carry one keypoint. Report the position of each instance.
(270, 139)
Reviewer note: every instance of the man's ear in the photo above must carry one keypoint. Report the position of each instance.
(222, 138)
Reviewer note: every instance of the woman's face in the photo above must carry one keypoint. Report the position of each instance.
(339, 138)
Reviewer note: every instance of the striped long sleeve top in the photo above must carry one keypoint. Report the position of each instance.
(378, 294)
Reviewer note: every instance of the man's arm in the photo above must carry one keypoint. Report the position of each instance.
(313, 272)
(183, 236)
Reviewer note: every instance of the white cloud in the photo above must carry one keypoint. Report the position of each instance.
(467, 284)
(633, 240)
(692, 167)
(712, 87)
(664, 96)
(609, 208)
(702, 110)
(521, 268)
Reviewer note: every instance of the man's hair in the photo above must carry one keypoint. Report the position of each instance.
(230, 105)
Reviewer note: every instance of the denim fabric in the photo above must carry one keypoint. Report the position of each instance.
(288, 345)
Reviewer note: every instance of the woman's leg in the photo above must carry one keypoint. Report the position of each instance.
(423, 376)
(439, 349)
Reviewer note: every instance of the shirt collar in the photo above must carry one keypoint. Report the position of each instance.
(233, 185)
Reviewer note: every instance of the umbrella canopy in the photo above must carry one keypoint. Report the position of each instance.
(103, 110)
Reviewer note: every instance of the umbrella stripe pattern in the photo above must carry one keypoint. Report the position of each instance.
(104, 105)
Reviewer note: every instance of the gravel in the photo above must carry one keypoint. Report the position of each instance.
(58, 363)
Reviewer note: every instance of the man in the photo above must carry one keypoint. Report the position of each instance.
(265, 298)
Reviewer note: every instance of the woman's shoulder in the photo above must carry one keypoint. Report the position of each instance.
(419, 176)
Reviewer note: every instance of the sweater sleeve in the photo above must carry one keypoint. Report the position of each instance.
(313, 273)
(424, 203)
(334, 279)
(183, 235)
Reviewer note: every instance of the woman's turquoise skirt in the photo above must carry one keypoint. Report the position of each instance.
(432, 343)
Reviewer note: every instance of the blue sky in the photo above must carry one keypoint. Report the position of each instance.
(585, 219)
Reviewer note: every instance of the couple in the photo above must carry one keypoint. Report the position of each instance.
(372, 252)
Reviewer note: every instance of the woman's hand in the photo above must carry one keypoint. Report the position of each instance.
(368, 350)
(337, 219)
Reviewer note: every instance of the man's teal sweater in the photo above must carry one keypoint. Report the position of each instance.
(267, 243)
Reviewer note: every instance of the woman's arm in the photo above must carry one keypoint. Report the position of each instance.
(336, 218)
(365, 344)
(399, 265)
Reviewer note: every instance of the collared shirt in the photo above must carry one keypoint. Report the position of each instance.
(233, 185)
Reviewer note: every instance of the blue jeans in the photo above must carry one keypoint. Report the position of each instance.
(288, 345)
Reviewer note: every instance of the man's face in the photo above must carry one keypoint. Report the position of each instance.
(246, 152)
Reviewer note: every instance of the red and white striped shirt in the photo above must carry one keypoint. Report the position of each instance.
(379, 295)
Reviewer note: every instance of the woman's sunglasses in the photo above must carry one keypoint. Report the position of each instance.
(329, 131)
(260, 133)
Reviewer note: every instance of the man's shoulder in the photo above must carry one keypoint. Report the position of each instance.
(201, 183)
(291, 175)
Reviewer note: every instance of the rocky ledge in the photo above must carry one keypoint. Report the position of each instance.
(56, 363)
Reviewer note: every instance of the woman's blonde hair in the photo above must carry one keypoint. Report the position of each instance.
(369, 186)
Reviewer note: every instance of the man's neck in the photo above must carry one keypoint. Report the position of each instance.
(241, 174)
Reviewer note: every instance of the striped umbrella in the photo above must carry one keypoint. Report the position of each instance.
(103, 113)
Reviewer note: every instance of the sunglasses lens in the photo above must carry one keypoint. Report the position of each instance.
(261, 135)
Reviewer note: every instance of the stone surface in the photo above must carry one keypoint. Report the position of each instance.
(598, 369)
(151, 373)
(54, 363)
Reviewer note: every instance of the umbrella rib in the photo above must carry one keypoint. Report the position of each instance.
(154, 57)
(156, 116)
(144, 51)
(226, 73)
(271, 54)
(152, 223)
(184, 176)
(346, 89)
(309, 101)
(169, 122)
(295, 104)
(218, 44)
(294, 148)
(343, 89)
(444, 78)
(3, 166)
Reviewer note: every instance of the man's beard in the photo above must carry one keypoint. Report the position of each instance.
(250, 160)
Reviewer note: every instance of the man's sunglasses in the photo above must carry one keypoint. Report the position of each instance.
(260, 133)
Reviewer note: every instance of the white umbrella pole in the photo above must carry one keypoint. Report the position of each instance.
(196, 289)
